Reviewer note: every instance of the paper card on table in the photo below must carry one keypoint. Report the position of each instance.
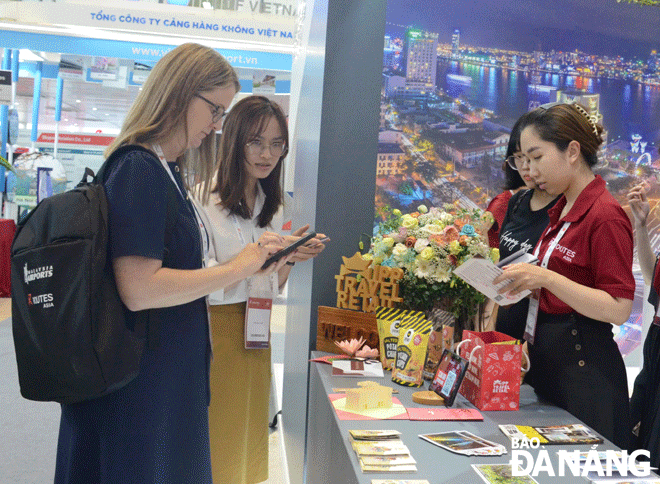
(395, 447)
(552, 434)
(395, 412)
(464, 442)
(328, 359)
(387, 460)
(403, 468)
(375, 434)
(359, 368)
(444, 414)
(498, 473)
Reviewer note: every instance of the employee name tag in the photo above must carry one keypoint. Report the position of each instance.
(257, 323)
(532, 313)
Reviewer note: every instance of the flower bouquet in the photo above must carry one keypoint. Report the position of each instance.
(428, 245)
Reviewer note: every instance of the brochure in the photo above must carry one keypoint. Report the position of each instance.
(385, 468)
(358, 368)
(464, 442)
(375, 434)
(500, 473)
(386, 454)
(479, 273)
(387, 460)
(395, 447)
(554, 434)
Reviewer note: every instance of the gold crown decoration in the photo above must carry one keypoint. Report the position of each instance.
(356, 263)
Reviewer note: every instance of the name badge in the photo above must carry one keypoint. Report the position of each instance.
(257, 323)
(532, 313)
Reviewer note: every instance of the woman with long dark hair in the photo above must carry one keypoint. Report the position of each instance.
(244, 200)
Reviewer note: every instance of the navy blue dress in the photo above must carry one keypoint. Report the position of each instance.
(155, 429)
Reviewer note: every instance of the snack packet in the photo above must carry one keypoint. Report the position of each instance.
(388, 321)
(411, 351)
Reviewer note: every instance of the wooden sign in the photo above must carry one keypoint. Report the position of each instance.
(363, 287)
(341, 324)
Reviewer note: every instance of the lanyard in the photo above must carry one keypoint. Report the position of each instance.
(551, 247)
(532, 312)
(249, 281)
(200, 223)
(239, 230)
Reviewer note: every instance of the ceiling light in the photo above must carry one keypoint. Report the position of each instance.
(94, 109)
(78, 100)
(207, 5)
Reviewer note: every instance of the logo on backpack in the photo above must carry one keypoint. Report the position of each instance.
(45, 299)
(38, 273)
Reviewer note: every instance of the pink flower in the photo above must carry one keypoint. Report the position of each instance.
(351, 347)
(367, 352)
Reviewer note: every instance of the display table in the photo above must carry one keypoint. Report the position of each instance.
(7, 230)
(331, 459)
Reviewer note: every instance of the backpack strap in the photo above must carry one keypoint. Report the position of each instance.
(150, 317)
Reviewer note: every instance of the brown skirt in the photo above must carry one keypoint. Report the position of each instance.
(238, 414)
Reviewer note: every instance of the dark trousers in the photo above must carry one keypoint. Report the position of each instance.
(576, 364)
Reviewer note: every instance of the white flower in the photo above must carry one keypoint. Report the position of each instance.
(399, 251)
(447, 218)
(423, 269)
(421, 244)
(442, 274)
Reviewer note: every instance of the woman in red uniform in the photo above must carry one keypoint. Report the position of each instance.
(584, 278)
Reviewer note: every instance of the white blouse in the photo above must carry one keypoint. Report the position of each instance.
(226, 242)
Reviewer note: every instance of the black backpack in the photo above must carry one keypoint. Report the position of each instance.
(69, 324)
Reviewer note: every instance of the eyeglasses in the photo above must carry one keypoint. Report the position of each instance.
(256, 147)
(514, 160)
(217, 112)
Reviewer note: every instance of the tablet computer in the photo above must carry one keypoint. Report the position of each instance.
(449, 376)
(287, 250)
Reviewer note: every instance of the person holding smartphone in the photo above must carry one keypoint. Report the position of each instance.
(584, 281)
(155, 428)
(242, 201)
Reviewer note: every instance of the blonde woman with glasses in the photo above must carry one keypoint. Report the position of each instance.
(155, 428)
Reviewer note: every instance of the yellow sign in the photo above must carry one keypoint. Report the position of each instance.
(363, 287)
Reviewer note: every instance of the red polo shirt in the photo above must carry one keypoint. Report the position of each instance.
(498, 207)
(596, 250)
